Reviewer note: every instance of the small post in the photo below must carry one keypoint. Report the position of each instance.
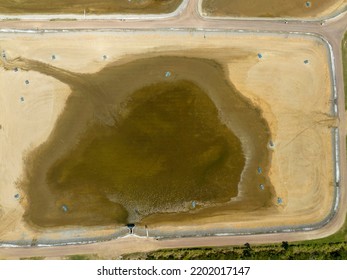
(146, 231)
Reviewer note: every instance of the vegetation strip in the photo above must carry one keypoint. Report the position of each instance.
(283, 251)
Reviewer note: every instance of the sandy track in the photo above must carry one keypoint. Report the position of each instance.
(332, 31)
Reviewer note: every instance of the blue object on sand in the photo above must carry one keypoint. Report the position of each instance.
(64, 207)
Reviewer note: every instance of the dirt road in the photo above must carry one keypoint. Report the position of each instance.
(332, 31)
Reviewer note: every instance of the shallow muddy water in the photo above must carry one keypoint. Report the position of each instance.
(150, 136)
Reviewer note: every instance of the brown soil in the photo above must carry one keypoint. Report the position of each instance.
(90, 6)
(271, 8)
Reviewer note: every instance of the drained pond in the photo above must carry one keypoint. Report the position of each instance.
(160, 136)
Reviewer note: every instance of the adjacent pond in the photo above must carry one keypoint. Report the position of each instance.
(89, 6)
(268, 8)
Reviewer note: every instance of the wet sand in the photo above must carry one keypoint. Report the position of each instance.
(89, 6)
(95, 177)
(272, 8)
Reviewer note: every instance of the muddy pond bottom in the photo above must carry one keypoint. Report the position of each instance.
(143, 138)
(166, 152)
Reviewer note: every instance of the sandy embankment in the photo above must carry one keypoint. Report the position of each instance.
(294, 97)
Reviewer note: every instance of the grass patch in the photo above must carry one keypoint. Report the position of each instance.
(33, 258)
(284, 251)
(82, 257)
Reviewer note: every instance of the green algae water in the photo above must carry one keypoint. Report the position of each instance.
(134, 142)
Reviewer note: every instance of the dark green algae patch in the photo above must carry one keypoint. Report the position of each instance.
(136, 140)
